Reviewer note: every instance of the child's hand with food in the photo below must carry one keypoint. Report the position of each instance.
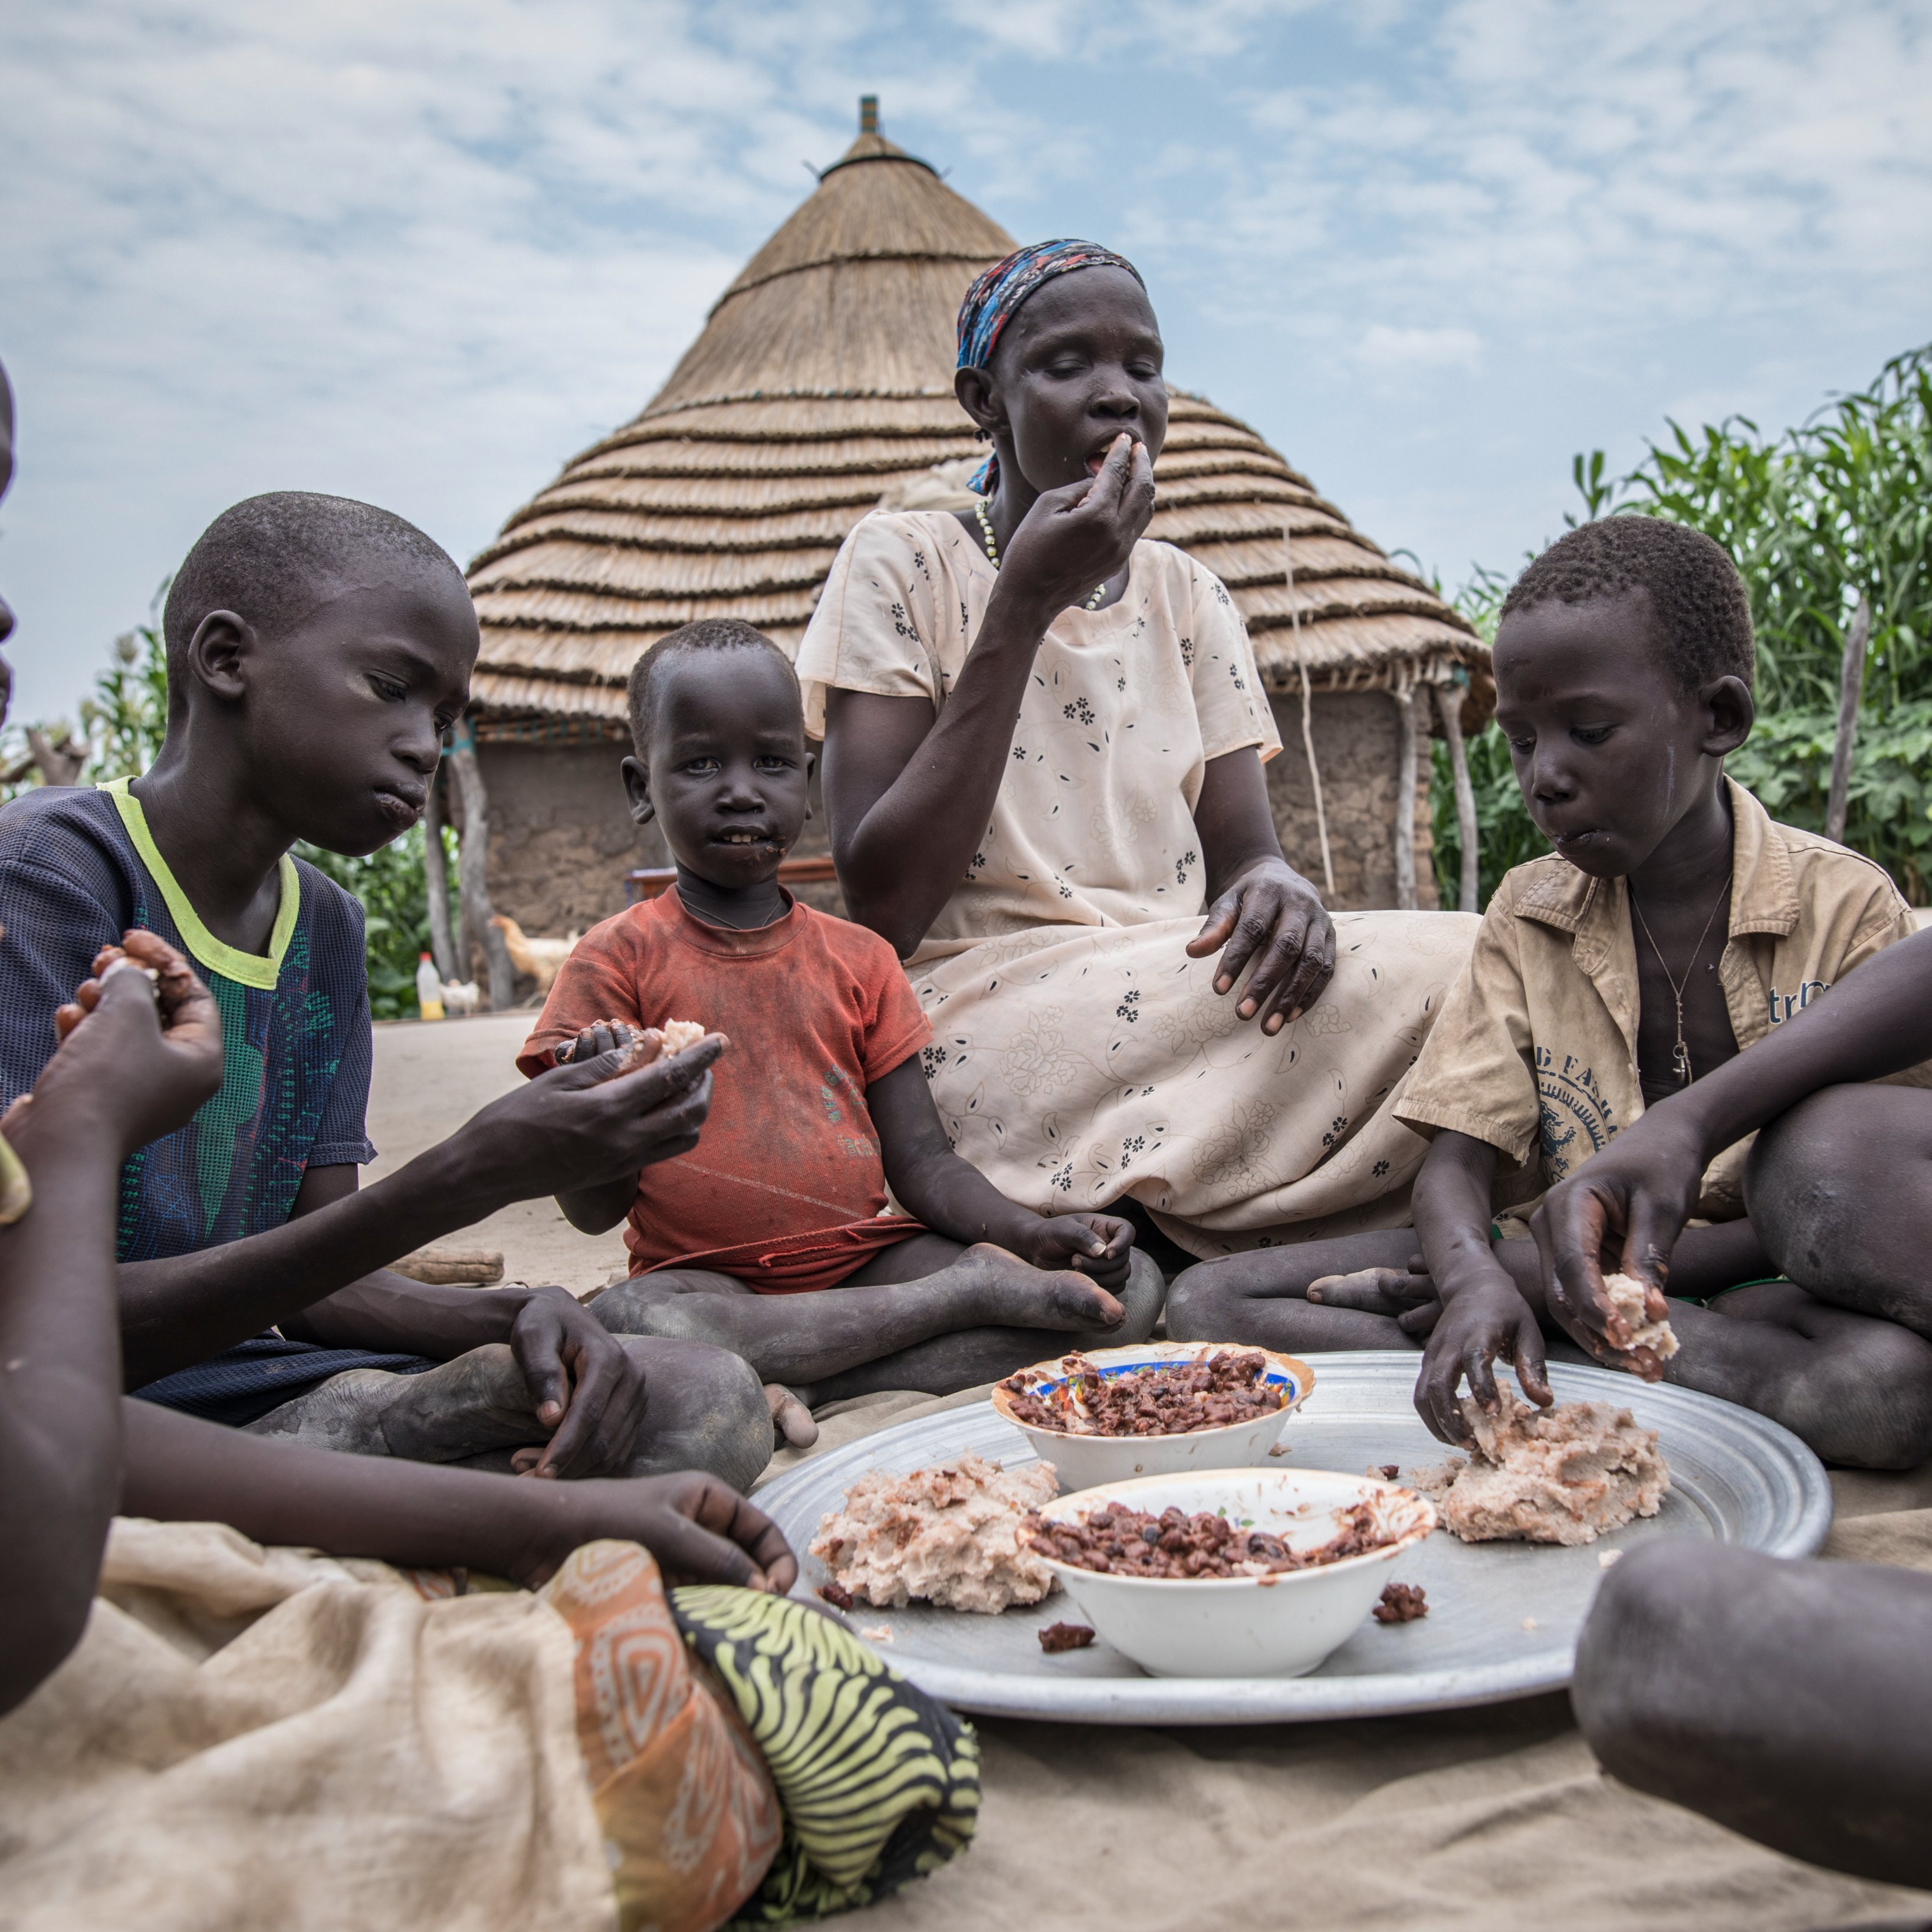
(140, 1044)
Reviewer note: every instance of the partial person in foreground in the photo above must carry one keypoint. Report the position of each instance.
(317, 649)
(1789, 1701)
(1675, 931)
(777, 1238)
(587, 1754)
(1044, 742)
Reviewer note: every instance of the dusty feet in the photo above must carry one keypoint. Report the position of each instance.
(1002, 1292)
(791, 1421)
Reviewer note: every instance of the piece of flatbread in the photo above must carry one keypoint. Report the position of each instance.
(1627, 1296)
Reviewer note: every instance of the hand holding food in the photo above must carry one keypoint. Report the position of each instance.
(1079, 536)
(140, 1044)
(584, 1123)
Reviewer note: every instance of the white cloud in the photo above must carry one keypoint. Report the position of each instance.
(422, 251)
(1385, 351)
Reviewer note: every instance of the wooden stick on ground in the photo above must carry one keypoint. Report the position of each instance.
(1449, 703)
(1851, 688)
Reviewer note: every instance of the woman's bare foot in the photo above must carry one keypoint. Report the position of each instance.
(791, 1421)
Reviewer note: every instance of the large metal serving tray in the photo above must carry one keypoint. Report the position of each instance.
(1503, 1617)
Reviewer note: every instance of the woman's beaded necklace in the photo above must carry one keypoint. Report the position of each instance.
(993, 550)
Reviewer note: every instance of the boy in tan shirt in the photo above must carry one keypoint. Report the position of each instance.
(1676, 924)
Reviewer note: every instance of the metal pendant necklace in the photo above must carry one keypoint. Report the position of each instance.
(1680, 1057)
(993, 550)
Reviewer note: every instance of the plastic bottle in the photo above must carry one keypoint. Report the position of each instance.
(429, 989)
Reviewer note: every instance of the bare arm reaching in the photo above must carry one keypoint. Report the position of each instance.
(899, 781)
(579, 1123)
(1637, 1193)
(180, 1469)
(954, 1198)
(132, 1071)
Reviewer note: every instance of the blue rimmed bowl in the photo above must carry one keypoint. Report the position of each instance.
(1083, 1461)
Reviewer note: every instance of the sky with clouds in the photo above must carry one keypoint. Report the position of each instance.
(422, 251)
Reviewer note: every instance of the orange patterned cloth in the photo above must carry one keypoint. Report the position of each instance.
(690, 1817)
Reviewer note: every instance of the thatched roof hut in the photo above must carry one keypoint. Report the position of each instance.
(820, 385)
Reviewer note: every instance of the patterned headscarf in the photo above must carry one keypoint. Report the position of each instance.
(993, 298)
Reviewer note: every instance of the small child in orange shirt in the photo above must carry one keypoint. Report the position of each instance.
(822, 1101)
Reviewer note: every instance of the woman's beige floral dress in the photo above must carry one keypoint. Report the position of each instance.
(1079, 1053)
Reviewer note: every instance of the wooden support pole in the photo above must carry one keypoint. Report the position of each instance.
(436, 882)
(1449, 703)
(1405, 800)
(472, 863)
(1307, 715)
(1851, 688)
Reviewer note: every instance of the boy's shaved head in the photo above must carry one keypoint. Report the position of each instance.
(651, 672)
(272, 559)
(1699, 615)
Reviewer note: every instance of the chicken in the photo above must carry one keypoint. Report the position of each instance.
(461, 996)
(542, 959)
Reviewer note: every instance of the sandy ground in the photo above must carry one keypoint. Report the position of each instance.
(429, 1079)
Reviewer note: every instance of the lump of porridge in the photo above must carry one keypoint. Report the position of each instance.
(1565, 1474)
(1627, 1297)
(951, 1536)
(678, 1034)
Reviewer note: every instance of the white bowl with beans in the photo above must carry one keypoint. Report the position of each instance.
(1082, 1460)
(1282, 1624)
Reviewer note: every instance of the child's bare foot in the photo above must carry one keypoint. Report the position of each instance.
(1010, 1293)
(790, 1417)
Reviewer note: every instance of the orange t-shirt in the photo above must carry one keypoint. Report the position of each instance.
(785, 1187)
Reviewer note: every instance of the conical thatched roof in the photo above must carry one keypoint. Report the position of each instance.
(822, 382)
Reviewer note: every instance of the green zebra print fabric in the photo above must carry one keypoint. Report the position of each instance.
(879, 1784)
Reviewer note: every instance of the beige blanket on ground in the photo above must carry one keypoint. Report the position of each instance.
(1495, 1820)
(187, 1778)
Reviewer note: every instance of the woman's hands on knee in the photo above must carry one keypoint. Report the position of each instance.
(1270, 917)
(700, 1529)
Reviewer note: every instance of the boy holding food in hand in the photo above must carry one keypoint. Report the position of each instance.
(821, 1103)
(317, 649)
(1675, 925)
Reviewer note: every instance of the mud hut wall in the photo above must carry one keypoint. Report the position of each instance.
(1356, 747)
(561, 837)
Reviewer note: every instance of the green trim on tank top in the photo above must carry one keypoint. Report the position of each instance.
(247, 969)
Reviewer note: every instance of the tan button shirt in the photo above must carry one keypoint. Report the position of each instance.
(1535, 1050)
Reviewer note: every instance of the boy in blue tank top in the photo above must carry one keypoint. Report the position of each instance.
(317, 650)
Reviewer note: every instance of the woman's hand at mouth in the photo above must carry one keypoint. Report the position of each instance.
(1270, 917)
(1077, 537)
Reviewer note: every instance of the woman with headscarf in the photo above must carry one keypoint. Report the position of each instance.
(1044, 736)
